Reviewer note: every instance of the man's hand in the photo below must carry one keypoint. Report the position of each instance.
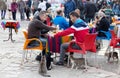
(50, 33)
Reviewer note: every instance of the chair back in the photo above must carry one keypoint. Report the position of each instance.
(88, 45)
(107, 34)
(113, 36)
(25, 33)
(111, 27)
(27, 41)
(90, 42)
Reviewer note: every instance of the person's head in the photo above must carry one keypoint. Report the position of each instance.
(43, 15)
(73, 16)
(77, 11)
(60, 12)
(99, 15)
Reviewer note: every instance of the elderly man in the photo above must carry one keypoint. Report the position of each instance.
(36, 26)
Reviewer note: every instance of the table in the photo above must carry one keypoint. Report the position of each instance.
(55, 42)
(11, 24)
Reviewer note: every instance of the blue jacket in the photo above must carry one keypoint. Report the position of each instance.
(69, 7)
(61, 21)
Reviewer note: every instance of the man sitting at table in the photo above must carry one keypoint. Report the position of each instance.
(60, 20)
(79, 29)
(36, 26)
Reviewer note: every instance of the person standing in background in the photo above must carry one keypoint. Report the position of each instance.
(14, 7)
(69, 6)
(34, 6)
(27, 8)
(42, 5)
(3, 8)
(9, 10)
(21, 8)
(116, 8)
(90, 10)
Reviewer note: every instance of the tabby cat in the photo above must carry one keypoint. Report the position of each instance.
(113, 55)
(43, 68)
(77, 62)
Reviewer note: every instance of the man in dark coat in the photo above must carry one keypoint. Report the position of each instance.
(69, 7)
(90, 10)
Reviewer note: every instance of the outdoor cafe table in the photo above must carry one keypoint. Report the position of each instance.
(11, 24)
(55, 42)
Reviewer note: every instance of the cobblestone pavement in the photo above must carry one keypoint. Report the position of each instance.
(11, 54)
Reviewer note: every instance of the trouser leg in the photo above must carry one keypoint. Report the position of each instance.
(63, 49)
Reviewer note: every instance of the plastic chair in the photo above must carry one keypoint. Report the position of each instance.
(107, 35)
(111, 27)
(88, 45)
(115, 41)
(27, 47)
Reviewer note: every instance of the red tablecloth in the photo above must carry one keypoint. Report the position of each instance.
(10, 24)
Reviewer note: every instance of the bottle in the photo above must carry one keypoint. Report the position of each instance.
(57, 27)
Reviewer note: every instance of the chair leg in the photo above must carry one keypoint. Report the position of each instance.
(85, 62)
(26, 53)
(96, 61)
(23, 57)
(68, 63)
(108, 49)
(118, 71)
(30, 53)
(101, 43)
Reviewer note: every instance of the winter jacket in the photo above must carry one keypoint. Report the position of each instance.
(90, 9)
(35, 27)
(69, 7)
(14, 6)
(79, 29)
(3, 5)
(61, 21)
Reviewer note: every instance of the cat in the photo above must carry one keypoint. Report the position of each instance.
(42, 67)
(48, 59)
(77, 62)
(113, 55)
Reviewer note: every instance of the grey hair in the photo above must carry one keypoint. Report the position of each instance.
(42, 13)
(101, 14)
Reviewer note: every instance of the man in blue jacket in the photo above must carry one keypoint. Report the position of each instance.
(60, 20)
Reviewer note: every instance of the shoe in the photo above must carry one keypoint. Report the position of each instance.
(59, 63)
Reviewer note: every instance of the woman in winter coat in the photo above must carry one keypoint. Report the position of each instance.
(14, 7)
(3, 8)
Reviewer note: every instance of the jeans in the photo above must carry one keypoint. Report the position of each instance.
(63, 49)
(3, 12)
(14, 15)
(35, 43)
(44, 41)
(22, 16)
